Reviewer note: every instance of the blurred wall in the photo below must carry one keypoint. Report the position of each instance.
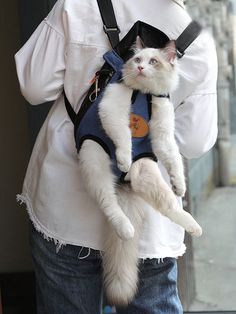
(19, 126)
(14, 149)
(202, 172)
(213, 169)
(233, 61)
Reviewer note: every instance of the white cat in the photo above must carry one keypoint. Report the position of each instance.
(152, 71)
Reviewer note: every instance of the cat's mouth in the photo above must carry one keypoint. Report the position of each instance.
(141, 74)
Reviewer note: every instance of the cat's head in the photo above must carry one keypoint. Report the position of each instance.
(152, 70)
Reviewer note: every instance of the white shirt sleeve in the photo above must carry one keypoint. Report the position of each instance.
(196, 125)
(196, 116)
(40, 63)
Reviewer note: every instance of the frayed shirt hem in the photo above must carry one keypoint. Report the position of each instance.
(49, 236)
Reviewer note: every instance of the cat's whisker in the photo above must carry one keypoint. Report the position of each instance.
(129, 75)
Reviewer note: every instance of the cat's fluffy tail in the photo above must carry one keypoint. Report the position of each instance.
(120, 259)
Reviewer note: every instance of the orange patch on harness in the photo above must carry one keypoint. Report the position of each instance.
(138, 125)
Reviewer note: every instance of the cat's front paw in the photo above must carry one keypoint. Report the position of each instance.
(178, 185)
(124, 159)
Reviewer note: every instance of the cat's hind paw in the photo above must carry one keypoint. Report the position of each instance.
(178, 185)
(123, 228)
(126, 231)
(124, 159)
(194, 230)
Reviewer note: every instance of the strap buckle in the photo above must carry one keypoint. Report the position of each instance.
(107, 30)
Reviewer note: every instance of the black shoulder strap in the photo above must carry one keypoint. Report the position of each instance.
(190, 33)
(109, 21)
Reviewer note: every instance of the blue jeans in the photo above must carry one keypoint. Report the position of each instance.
(69, 281)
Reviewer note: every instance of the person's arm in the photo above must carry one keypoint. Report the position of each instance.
(40, 63)
(196, 117)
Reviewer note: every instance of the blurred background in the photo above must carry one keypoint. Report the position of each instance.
(207, 279)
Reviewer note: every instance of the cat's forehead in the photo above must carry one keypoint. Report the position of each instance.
(147, 53)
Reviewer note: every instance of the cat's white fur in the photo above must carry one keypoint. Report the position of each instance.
(123, 205)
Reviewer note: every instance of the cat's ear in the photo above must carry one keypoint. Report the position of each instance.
(170, 51)
(139, 43)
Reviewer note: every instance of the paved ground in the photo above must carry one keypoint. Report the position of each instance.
(215, 251)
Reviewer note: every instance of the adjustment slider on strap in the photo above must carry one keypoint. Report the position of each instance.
(179, 53)
(111, 29)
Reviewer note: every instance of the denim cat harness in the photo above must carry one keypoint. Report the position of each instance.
(90, 126)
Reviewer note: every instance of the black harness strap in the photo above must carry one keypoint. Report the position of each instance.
(109, 21)
(71, 113)
(190, 33)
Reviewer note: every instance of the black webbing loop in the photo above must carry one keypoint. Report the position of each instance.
(109, 21)
(190, 33)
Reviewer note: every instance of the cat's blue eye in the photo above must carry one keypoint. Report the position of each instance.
(137, 60)
(153, 61)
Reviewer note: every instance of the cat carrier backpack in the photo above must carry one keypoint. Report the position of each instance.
(86, 121)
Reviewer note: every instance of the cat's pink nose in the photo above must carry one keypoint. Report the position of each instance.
(140, 68)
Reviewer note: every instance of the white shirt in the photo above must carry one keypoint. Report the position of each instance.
(67, 49)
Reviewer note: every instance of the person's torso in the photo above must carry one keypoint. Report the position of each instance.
(60, 206)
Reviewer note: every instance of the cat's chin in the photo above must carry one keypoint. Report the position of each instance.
(137, 83)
